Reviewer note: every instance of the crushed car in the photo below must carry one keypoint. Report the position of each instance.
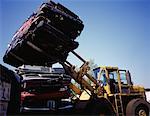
(48, 34)
(44, 90)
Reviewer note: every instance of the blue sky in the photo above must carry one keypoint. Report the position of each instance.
(116, 32)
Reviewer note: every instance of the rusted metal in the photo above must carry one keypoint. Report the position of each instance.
(75, 89)
(78, 76)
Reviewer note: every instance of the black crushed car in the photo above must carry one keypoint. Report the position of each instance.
(45, 38)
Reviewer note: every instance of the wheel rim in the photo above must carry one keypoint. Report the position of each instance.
(142, 112)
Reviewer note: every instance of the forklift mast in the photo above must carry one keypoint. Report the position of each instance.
(78, 76)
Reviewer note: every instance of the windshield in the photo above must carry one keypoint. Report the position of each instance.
(103, 78)
(100, 76)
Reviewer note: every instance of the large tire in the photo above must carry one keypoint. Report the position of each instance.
(138, 107)
(99, 106)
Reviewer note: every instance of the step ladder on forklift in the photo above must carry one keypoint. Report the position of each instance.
(119, 105)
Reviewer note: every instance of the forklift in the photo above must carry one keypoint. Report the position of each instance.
(110, 91)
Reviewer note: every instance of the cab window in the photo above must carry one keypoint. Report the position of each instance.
(123, 77)
(113, 75)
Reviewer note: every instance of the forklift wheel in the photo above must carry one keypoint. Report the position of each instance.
(138, 107)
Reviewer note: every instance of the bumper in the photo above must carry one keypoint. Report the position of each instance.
(45, 110)
(26, 109)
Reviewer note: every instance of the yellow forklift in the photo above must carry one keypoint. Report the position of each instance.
(110, 91)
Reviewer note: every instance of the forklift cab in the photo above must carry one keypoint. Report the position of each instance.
(113, 80)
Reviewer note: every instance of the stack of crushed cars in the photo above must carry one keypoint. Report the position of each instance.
(43, 90)
(45, 38)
